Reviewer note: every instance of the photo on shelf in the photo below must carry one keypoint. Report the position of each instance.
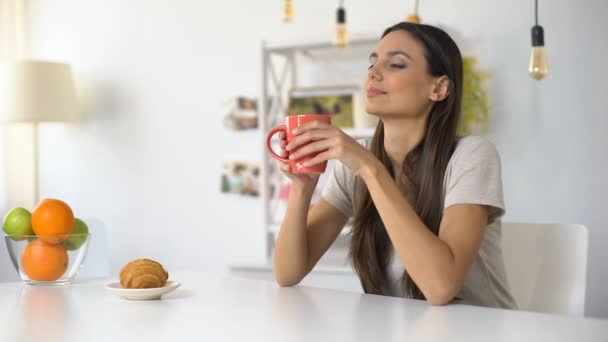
(335, 101)
(243, 114)
(241, 178)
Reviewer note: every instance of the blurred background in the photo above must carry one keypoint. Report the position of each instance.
(156, 79)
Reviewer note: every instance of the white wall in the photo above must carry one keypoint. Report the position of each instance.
(147, 161)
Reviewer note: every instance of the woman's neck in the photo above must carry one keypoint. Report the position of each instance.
(401, 136)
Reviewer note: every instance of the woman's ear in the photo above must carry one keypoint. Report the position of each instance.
(441, 89)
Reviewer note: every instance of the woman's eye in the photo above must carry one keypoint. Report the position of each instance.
(397, 66)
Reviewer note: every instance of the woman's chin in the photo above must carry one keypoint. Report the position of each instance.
(386, 113)
(376, 112)
(372, 110)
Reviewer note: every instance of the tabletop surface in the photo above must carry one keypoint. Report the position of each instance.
(224, 308)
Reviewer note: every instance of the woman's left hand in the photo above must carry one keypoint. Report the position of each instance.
(330, 143)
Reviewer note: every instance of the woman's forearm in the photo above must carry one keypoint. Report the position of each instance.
(291, 251)
(428, 260)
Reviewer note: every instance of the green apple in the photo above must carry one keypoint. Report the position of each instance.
(76, 240)
(17, 222)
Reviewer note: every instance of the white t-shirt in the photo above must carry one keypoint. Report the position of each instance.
(473, 176)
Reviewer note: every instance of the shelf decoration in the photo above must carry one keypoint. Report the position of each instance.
(335, 101)
(242, 114)
(240, 177)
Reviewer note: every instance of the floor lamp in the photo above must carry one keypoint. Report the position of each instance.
(34, 91)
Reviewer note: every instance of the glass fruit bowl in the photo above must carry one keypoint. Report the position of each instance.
(47, 260)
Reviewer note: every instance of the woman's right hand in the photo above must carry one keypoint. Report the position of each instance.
(306, 180)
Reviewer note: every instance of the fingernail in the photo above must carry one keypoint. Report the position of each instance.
(287, 147)
(295, 130)
(291, 157)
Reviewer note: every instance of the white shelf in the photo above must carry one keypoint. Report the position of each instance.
(355, 133)
(310, 48)
(360, 133)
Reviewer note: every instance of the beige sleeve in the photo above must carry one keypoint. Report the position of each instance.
(475, 177)
(338, 190)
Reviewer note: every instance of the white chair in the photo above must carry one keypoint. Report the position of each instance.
(546, 265)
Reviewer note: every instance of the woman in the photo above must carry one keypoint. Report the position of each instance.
(425, 204)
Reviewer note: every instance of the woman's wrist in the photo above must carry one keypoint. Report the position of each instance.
(370, 169)
(301, 189)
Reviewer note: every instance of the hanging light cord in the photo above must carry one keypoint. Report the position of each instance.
(416, 7)
(536, 12)
(341, 3)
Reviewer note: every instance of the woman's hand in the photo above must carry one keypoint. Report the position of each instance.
(330, 143)
(306, 180)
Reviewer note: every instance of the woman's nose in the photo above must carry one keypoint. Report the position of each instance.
(374, 74)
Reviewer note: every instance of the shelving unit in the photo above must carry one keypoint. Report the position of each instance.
(349, 65)
(317, 64)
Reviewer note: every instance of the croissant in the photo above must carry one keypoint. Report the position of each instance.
(143, 274)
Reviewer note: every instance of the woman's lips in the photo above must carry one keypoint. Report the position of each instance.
(371, 92)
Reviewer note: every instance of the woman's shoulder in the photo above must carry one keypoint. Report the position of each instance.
(472, 148)
(473, 142)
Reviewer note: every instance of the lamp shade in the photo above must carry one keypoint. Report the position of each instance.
(37, 91)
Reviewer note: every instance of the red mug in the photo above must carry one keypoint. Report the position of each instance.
(291, 122)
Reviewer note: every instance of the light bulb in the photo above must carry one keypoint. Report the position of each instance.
(288, 11)
(539, 67)
(413, 18)
(342, 39)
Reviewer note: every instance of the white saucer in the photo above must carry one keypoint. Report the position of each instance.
(142, 294)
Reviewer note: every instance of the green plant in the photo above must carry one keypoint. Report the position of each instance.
(475, 117)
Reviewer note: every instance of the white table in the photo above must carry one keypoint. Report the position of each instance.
(213, 308)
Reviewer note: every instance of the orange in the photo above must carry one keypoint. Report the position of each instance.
(51, 219)
(44, 262)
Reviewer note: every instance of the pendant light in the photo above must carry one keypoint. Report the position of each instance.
(288, 11)
(341, 31)
(414, 18)
(539, 68)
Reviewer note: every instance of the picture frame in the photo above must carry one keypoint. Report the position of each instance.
(243, 114)
(337, 101)
(240, 177)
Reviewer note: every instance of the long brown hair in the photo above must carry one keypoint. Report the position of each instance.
(424, 166)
